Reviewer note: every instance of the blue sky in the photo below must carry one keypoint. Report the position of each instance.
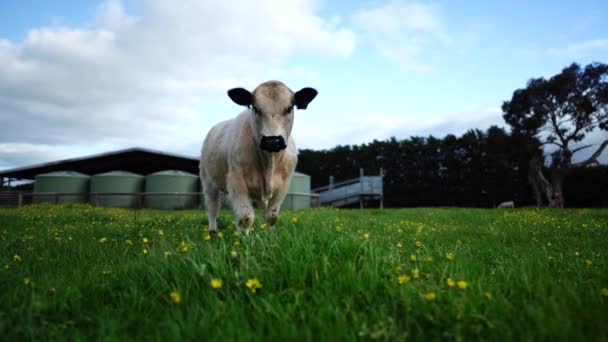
(83, 77)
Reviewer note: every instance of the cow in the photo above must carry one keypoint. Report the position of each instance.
(509, 204)
(252, 156)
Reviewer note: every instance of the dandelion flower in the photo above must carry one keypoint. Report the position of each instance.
(161, 233)
(338, 229)
(462, 284)
(488, 295)
(458, 242)
(176, 297)
(103, 240)
(220, 234)
(183, 248)
(233, 254)
(16, 258)
(207, 237)
(449, 256)
(253, 284)
(7, 266)
(167, 254)
(419, 244)
(399, 245)
(237, 243)
(145, 251)
(430, 296)
(604, 292)
(413, 257)
(26, 281)
(366, 236)
(588, 262)
(416, 273)
(451, 282)
(216, 283)
(428, 259)
(398, 270)
(264, 226)
(129, 242)
(294, 220)
(403, 279)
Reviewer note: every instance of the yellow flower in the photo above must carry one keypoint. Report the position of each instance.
(233, 254)
(416, 273)
(7, 266)
(403, 279)
(145, 251)
(294, 220)
(183, 248)
(103, 240)
(167, 254)
(253, 284)
(398, 270)
(237, 243)
(145, 240)
(264, 226)
(462, 284)
(604, 292)
(451, 282)
(399, 245)
(488, 295)
(338, 229)
(418, 244)
(216, 283)
(26, 281)
(458, 242)
(413, 257)
(428, 259)
(449, 256)
(129, 242)
(220, 234)
(366, 236)
(588, 262)
(161, 233)
(16, 258)
(207, 237)
(430, 296)
(176, 297)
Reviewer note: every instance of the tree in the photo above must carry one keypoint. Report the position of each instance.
(561, 111)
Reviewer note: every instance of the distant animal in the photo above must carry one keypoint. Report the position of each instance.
(509, 204)
(252, 156)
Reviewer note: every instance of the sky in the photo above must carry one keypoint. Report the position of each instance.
(80, 77)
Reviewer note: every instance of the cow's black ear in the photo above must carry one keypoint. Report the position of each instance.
(240, 96)
(304, 96)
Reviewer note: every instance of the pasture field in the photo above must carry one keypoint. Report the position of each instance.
(83, 273)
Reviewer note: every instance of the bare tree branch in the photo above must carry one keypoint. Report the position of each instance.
(594, 156)
(580, 148)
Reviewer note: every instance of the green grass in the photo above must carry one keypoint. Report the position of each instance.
(332, 275)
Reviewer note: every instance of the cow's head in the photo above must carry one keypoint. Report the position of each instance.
(271, 106)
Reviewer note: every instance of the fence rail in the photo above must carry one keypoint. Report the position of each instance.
(127, 199)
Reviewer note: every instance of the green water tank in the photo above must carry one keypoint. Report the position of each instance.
(61, 182)
(117, 182)
(172, 181)
(300, 184)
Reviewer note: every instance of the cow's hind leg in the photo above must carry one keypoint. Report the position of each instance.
(213, 204)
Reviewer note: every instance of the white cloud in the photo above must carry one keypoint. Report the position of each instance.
(402, 31)
(579, 49)
(151, 80)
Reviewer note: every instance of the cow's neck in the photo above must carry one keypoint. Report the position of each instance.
(267, 163)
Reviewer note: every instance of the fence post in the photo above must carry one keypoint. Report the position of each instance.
(20, 201)
(362, 188)
(331, 190)
(381, 188)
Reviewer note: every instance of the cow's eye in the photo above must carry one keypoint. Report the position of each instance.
(256, 110)
(288, 110)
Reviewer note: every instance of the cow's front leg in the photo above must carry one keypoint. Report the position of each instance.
(271, 213)
(244, 212)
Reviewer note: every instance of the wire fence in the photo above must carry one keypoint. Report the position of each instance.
(139, 200)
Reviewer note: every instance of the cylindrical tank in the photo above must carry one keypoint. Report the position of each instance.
(61, 182)
(117, 182)
(171, 181)
(300, 184)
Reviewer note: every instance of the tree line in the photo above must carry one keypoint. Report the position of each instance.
(485, 168)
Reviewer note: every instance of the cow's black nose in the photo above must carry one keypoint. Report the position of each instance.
(273, 143)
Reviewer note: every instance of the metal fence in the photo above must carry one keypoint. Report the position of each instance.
(138, 200)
